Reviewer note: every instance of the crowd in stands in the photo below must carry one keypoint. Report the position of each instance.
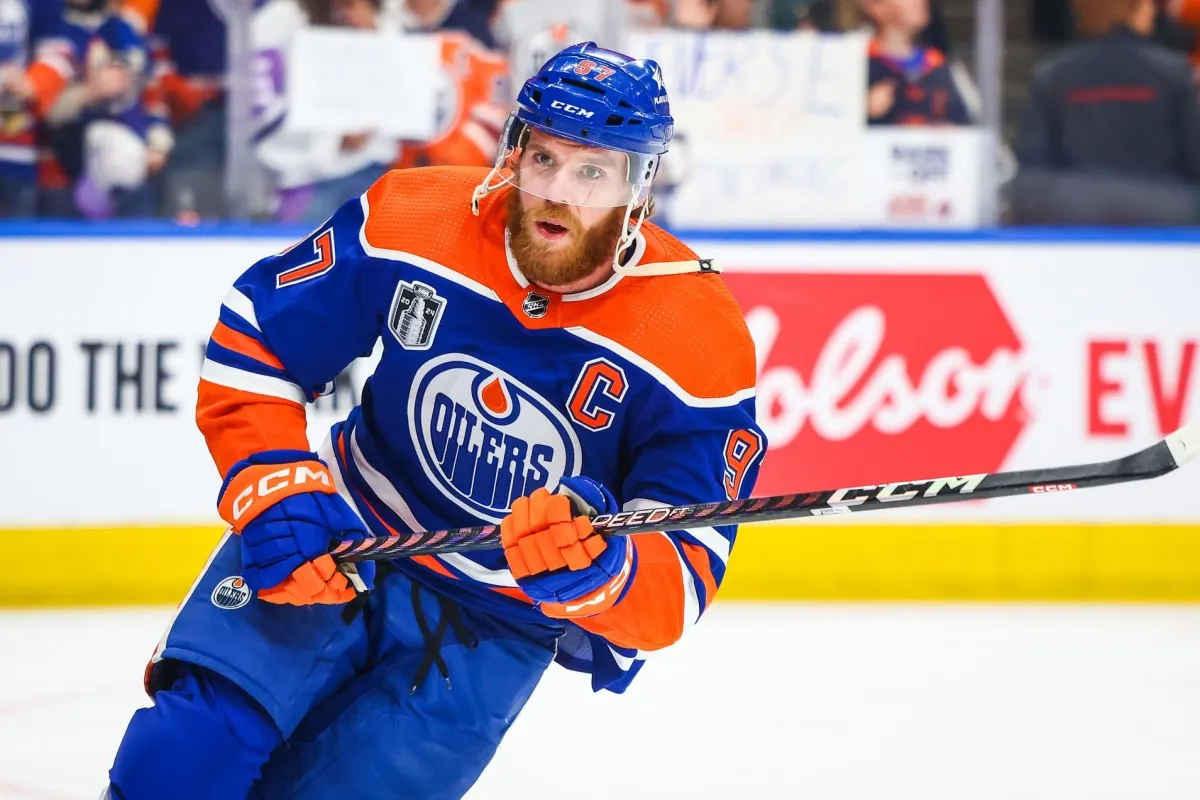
(119, 108)
(1111, 131)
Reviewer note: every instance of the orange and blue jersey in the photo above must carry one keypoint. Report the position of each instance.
(925, 90)
(111, 38)
(488, 387)
(189, 43)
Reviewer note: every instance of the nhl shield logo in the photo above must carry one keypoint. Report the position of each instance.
(535, 305)
(415, 315)
(231, 593)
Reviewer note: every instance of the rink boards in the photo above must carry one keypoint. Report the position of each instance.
(882, 357)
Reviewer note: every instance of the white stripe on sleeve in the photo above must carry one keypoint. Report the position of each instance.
(713, 540)
(243, 306)
(691, 598)
(623, 661)
(252, 382)
(708, 536)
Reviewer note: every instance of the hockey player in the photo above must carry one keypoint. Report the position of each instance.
(531, 344)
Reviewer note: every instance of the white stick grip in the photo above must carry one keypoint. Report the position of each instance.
(1184, 443)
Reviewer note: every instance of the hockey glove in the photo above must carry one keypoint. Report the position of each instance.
(557, 558)
(285, 506)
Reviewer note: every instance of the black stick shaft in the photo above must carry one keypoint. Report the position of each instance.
(1152, 462)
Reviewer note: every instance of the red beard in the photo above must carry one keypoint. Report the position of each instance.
(544, 264)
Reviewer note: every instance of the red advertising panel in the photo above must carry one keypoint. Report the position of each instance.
(866, 378)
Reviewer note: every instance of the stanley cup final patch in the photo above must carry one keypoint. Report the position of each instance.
(415, 315)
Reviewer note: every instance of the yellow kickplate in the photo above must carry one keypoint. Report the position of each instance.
(771, 561)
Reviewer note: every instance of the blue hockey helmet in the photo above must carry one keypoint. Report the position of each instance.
(602, 100)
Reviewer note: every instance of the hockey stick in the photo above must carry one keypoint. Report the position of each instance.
(1159, 459)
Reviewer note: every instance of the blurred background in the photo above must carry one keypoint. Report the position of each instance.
(965, 235)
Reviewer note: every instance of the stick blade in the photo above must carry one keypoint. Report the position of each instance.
(1184, 443)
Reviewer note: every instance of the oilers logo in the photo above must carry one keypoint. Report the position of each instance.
(484, 438)
(231, 593)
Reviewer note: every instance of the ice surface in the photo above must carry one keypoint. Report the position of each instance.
(830, 702)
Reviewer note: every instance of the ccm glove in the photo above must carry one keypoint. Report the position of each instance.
(285, 507)
(564, 566)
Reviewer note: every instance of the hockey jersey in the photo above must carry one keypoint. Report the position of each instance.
(488, 388)
(189, 40)
(97, 39)
(925, 93)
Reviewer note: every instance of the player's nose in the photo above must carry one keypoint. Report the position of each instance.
(563, 190)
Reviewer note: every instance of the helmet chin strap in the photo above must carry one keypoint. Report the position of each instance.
(658, 267)
(485, 188)
(672, 268)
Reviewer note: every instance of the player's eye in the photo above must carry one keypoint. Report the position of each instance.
(543, 159)
(591, 172)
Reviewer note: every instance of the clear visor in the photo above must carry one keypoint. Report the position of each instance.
(561, 171)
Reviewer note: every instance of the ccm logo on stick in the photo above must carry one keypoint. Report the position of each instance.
(1053, 487)
(570, 109)
(889, 492)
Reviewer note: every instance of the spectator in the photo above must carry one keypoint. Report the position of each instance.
(647, 13)
(1111, 132)
(190, 54)
(105, 132)
(472, 17)
(1176, 25)
(909, 83)
(824, 16)
(1050, 21)
(473, 95)
(531, 48)
(835, 16)
(313, 172)
(717, 15)
(28, 28)
(473, 103)
(531, 31)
